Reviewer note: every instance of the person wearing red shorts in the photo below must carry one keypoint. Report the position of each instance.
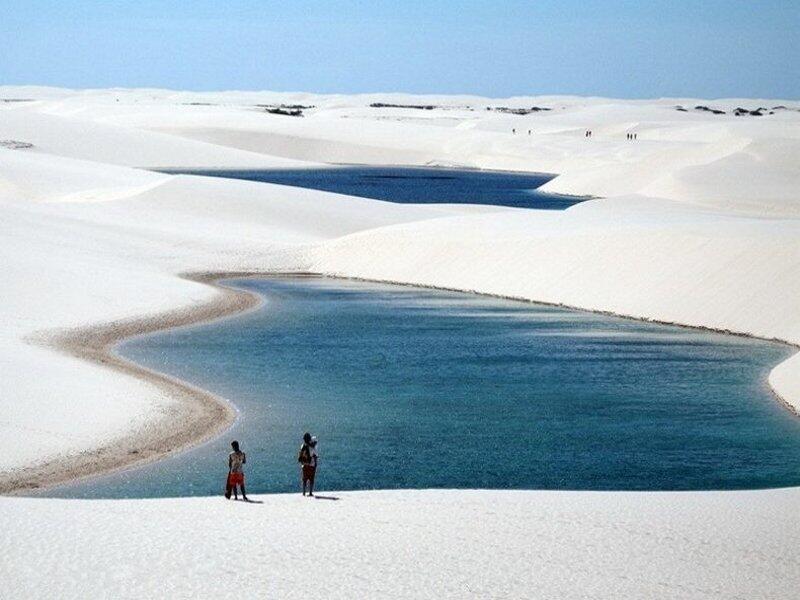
(308, 462)
(236, 461)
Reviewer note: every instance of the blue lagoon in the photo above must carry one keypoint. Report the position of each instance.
(414, 185)
(417, 388)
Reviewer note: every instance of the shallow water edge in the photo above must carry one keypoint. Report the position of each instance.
(202, 415)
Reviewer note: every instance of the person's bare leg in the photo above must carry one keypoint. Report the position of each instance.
(244, 493)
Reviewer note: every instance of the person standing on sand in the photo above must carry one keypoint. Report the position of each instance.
(236, 461)
(308, 462)
(314, 457)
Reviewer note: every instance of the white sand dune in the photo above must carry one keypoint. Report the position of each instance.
(409, 544)
(699, 224)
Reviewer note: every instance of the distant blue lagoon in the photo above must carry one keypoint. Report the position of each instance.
(414, 185)
(416, 388)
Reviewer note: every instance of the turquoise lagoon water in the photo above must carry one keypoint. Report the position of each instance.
(415, 388)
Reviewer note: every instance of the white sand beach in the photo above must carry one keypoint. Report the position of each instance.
(697, 223)
(408, 544)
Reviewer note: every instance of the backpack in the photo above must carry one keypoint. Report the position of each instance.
(304, 458)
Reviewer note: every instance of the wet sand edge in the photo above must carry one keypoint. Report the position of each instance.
(194, 416)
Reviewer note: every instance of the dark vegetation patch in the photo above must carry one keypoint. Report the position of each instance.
(16, 99)
(15, 145)
(415, 106)
(517, 111)
(715, 111)
(287, 110)
(739, 111)
(759, 112)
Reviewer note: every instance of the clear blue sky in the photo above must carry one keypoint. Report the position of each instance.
(708, 48)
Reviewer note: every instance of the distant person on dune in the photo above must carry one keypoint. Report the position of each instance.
(308, 462)
(236, 461)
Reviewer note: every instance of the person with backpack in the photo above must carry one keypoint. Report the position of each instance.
(236, 461)
(308, 462)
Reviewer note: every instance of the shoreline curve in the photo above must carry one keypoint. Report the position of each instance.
(195, 415)
(201, 414)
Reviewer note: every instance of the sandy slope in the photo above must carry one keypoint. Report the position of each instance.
(700, 225)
